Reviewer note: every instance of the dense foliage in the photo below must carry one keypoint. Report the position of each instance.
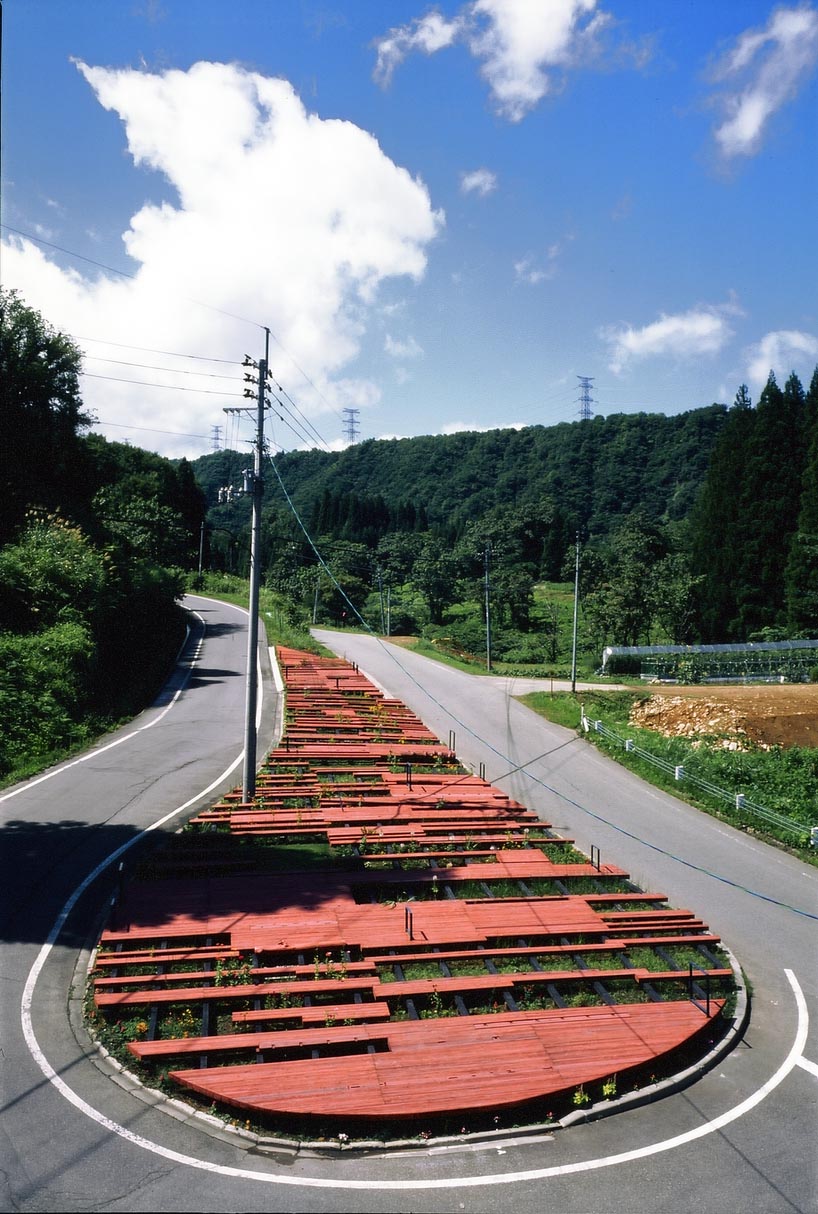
(702, 526)
(93, 545)
(754, 532)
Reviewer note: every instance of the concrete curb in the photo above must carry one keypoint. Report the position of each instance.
(682, 1079)
(215, 1127)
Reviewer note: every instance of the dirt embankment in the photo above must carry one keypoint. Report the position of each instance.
(770, 714)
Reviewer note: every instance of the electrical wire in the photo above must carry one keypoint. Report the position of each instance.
(123, 273)
(232, 362)
(163, 387)
(523, 767)
(148, 429)
(169, 370)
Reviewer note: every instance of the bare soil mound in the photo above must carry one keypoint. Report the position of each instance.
(769, 714)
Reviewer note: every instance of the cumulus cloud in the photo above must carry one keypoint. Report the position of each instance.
(701, 330)
(781, 351)
(428, 34)
(279, 218)
(480, 181)
(760, 73)
(522, 45)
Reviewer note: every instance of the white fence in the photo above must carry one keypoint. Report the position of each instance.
(738, 800)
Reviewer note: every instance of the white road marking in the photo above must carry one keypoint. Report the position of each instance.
(794, 1058)
(812, 1067)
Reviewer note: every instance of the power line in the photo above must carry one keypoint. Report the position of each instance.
(147, 429)
(163, 387)
(123, 273)
(231, 362)
(170, 370)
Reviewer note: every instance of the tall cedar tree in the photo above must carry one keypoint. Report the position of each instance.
(747, 514)
(802, 566)
(718, 523)
(769, 499)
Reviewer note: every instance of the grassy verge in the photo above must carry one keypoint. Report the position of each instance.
(780, 779)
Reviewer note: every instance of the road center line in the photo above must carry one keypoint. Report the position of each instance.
(794, 1058)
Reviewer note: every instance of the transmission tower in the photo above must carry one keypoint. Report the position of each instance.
(215, 438)
(351, 428)
(585, 398)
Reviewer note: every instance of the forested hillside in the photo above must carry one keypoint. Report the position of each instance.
(592, 472)
(701, 526)
(94, 541)
(697, 527)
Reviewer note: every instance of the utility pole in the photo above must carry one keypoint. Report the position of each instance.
(254, 485)
(576, 601)
(380, 592)
(486, 556)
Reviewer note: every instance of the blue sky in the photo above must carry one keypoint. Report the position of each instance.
(444, 214)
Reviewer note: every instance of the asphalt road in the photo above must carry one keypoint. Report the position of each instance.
(77, 1136)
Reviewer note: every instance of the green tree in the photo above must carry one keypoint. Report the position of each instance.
(41, 459)
(51, 575)
(435, 576)
(622, 603)
(719, 523)
(802, 564)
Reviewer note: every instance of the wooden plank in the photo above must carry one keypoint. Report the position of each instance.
(458, 1064)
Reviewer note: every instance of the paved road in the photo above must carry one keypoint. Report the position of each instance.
(76, 1138)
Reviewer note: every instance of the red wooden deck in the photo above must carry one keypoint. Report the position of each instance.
(455, 1065)
(359, 771)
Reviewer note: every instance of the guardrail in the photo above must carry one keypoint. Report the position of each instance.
(739, 801)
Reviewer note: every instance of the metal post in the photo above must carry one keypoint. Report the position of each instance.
(486, 555)
(250, 738)
(380, 592)
(576, 600)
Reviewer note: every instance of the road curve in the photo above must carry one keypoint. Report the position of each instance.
(77, 1136)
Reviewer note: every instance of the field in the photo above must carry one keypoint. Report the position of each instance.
(770, 714)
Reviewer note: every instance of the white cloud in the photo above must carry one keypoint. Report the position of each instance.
(520, 43)
(283, 219)
(780, 351)
(428, 34)
(480, 181)
(760, 73)
(527, 271)
(531, 270)
(469, 427)
(402, 349)
(699, 331)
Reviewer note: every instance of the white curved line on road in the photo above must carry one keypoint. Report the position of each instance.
(794, 1057)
